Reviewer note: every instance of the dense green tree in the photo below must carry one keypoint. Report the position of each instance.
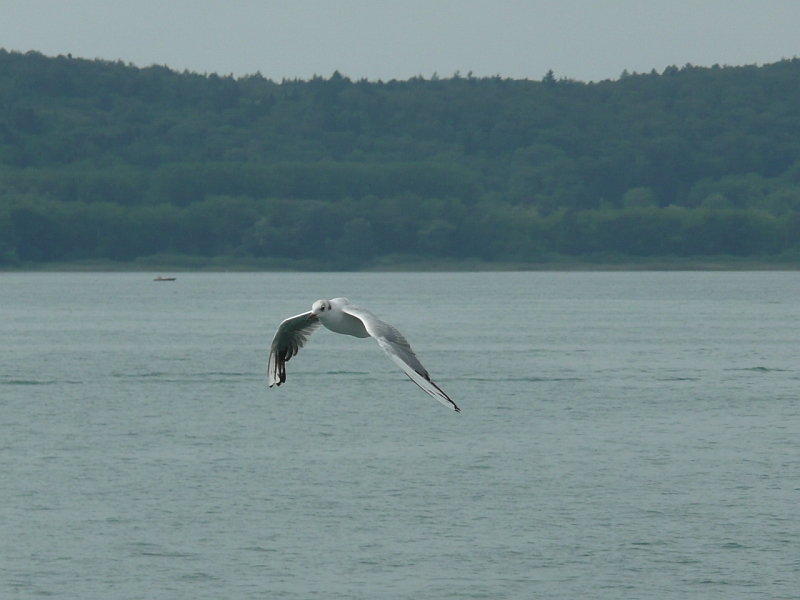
(106, 160)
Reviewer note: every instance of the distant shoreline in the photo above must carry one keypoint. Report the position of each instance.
(174, 264)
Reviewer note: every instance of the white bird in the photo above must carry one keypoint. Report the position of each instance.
(340, 316)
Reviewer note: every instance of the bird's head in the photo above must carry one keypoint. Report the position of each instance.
(319, 307)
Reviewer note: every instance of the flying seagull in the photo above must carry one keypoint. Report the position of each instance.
(340, 316)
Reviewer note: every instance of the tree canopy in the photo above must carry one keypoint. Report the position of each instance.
(103, 159)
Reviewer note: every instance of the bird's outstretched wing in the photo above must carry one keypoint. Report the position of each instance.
(399, 350)
(290, 337)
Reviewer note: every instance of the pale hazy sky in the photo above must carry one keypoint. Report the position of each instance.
(585, 40)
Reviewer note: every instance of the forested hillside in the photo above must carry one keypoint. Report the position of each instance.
(106, 160)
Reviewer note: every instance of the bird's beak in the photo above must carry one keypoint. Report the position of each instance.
(311, 316)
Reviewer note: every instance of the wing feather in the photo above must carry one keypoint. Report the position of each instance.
(399, 351)
(292, 335)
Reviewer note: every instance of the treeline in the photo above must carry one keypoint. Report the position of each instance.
(350, 233)
(107, 160)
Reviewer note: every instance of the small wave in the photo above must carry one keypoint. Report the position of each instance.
(38, 382)
(529, 379)
(759, 370)
(161, 376)
(198, 576)
(346, 373)
(259, 549)
(224, 374)
(139, 375)
(166, 554)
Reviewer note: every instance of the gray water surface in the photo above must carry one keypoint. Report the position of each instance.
(622, 435)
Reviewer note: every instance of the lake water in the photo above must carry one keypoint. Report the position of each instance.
(622, 435)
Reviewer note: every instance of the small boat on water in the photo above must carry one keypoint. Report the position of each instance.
(162, 278)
